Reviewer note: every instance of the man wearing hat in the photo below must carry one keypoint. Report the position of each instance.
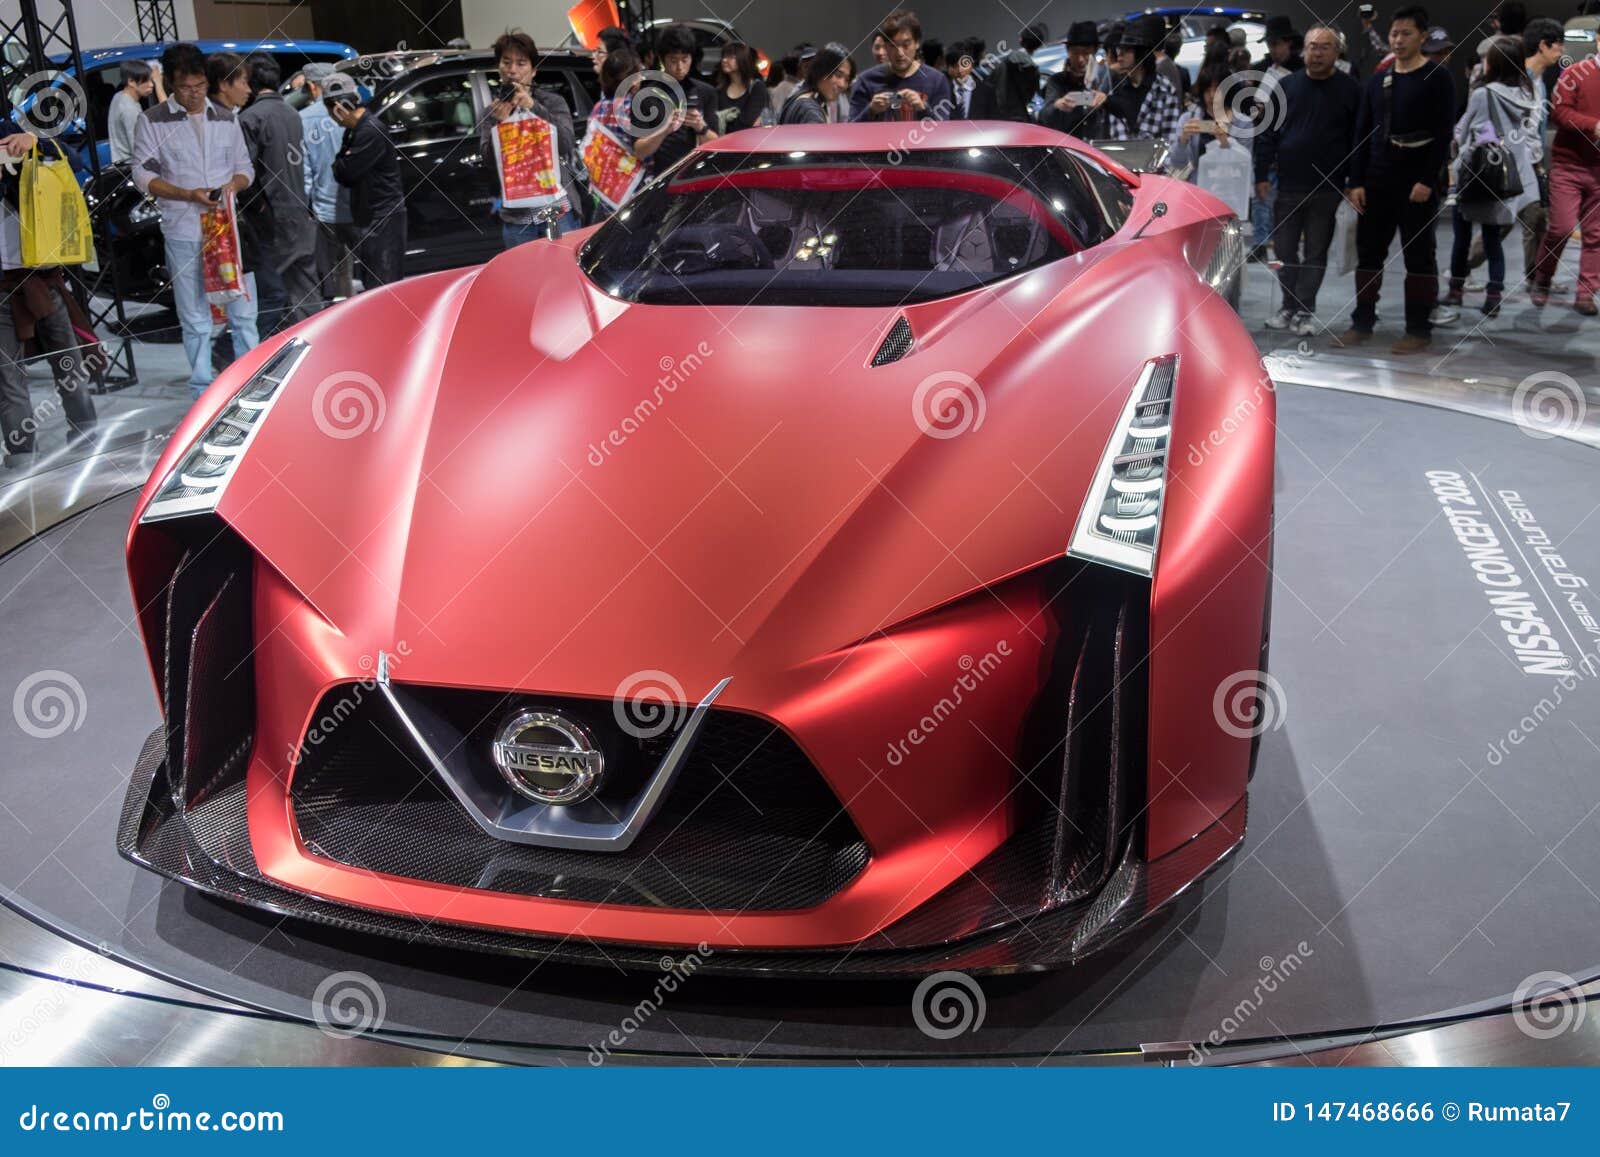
(1283, 48)
(1437, 46)
(1072, 97)
(1142, 103)
(369, 166)
(330, 201)
(1368, 48)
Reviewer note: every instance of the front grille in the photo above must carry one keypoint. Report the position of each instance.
(207, 676)
(749, 825)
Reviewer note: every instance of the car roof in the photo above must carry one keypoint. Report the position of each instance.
(884, 136)
(891, 136)
(152, 49)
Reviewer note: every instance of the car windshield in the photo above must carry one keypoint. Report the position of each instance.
(850, 229)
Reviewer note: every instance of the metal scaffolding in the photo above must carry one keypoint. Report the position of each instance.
(158, 20)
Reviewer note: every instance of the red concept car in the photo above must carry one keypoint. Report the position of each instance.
(829, 564)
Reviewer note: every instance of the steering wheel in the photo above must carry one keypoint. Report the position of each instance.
(703, 248)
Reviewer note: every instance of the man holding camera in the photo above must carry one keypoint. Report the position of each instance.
(902, 88)
(189, 154)
(514, 55)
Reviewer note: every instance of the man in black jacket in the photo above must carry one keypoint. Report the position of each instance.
(274, 134)
(1403, 133)
(368, 165)
(1305, 141)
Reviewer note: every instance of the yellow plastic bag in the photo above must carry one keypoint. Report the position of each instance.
(54, 216)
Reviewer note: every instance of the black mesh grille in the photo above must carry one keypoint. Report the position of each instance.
(207, 688)
(896, 343)
(749, 824)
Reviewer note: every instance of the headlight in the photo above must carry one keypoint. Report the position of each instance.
(1121, 518)
(1229, 257)
(146, 210)
(196, 483)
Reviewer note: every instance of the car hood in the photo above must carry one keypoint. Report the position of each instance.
(520, 482)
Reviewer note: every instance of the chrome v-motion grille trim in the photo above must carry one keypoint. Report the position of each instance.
(523, 821)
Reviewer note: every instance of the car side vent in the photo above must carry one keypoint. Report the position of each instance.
(896, 343)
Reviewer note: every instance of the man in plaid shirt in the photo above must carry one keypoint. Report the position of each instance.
(1142, 102)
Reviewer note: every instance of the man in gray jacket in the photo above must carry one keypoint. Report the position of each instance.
(515, 54)
(274, 133)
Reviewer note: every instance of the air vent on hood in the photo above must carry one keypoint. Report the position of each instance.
(896, 343)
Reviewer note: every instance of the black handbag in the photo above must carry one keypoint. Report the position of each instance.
(1489, 170)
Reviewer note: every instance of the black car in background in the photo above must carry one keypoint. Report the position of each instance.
(431, 104)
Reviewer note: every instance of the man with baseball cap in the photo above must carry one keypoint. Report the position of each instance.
(368, 165)
(330, 201)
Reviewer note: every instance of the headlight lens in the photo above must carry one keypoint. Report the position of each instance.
(1121, 518)
(197, 482)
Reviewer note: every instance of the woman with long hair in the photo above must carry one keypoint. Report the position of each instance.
(825, 81)
(741, 93)
(1499, 114)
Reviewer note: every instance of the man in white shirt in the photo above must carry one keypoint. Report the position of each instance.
(188, 154)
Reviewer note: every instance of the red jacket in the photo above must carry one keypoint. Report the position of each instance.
(1575, 109)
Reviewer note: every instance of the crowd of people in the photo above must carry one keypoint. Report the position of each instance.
(1317, 122)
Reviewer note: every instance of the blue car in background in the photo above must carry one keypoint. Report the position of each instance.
(125, 221)
(102, 76)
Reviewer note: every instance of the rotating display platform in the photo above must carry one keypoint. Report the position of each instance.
(1424, 827)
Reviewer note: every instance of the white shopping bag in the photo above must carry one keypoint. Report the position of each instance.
(1226, 173)
(1342, 251)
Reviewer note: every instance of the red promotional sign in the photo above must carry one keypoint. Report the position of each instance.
(614, 172)
(529, 164)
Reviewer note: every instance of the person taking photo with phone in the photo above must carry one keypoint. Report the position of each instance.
(189, 154)
(515, 55)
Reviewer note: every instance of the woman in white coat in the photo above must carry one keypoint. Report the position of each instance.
(1502, 111)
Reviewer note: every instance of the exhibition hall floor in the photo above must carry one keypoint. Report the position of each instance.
(1424, 830)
